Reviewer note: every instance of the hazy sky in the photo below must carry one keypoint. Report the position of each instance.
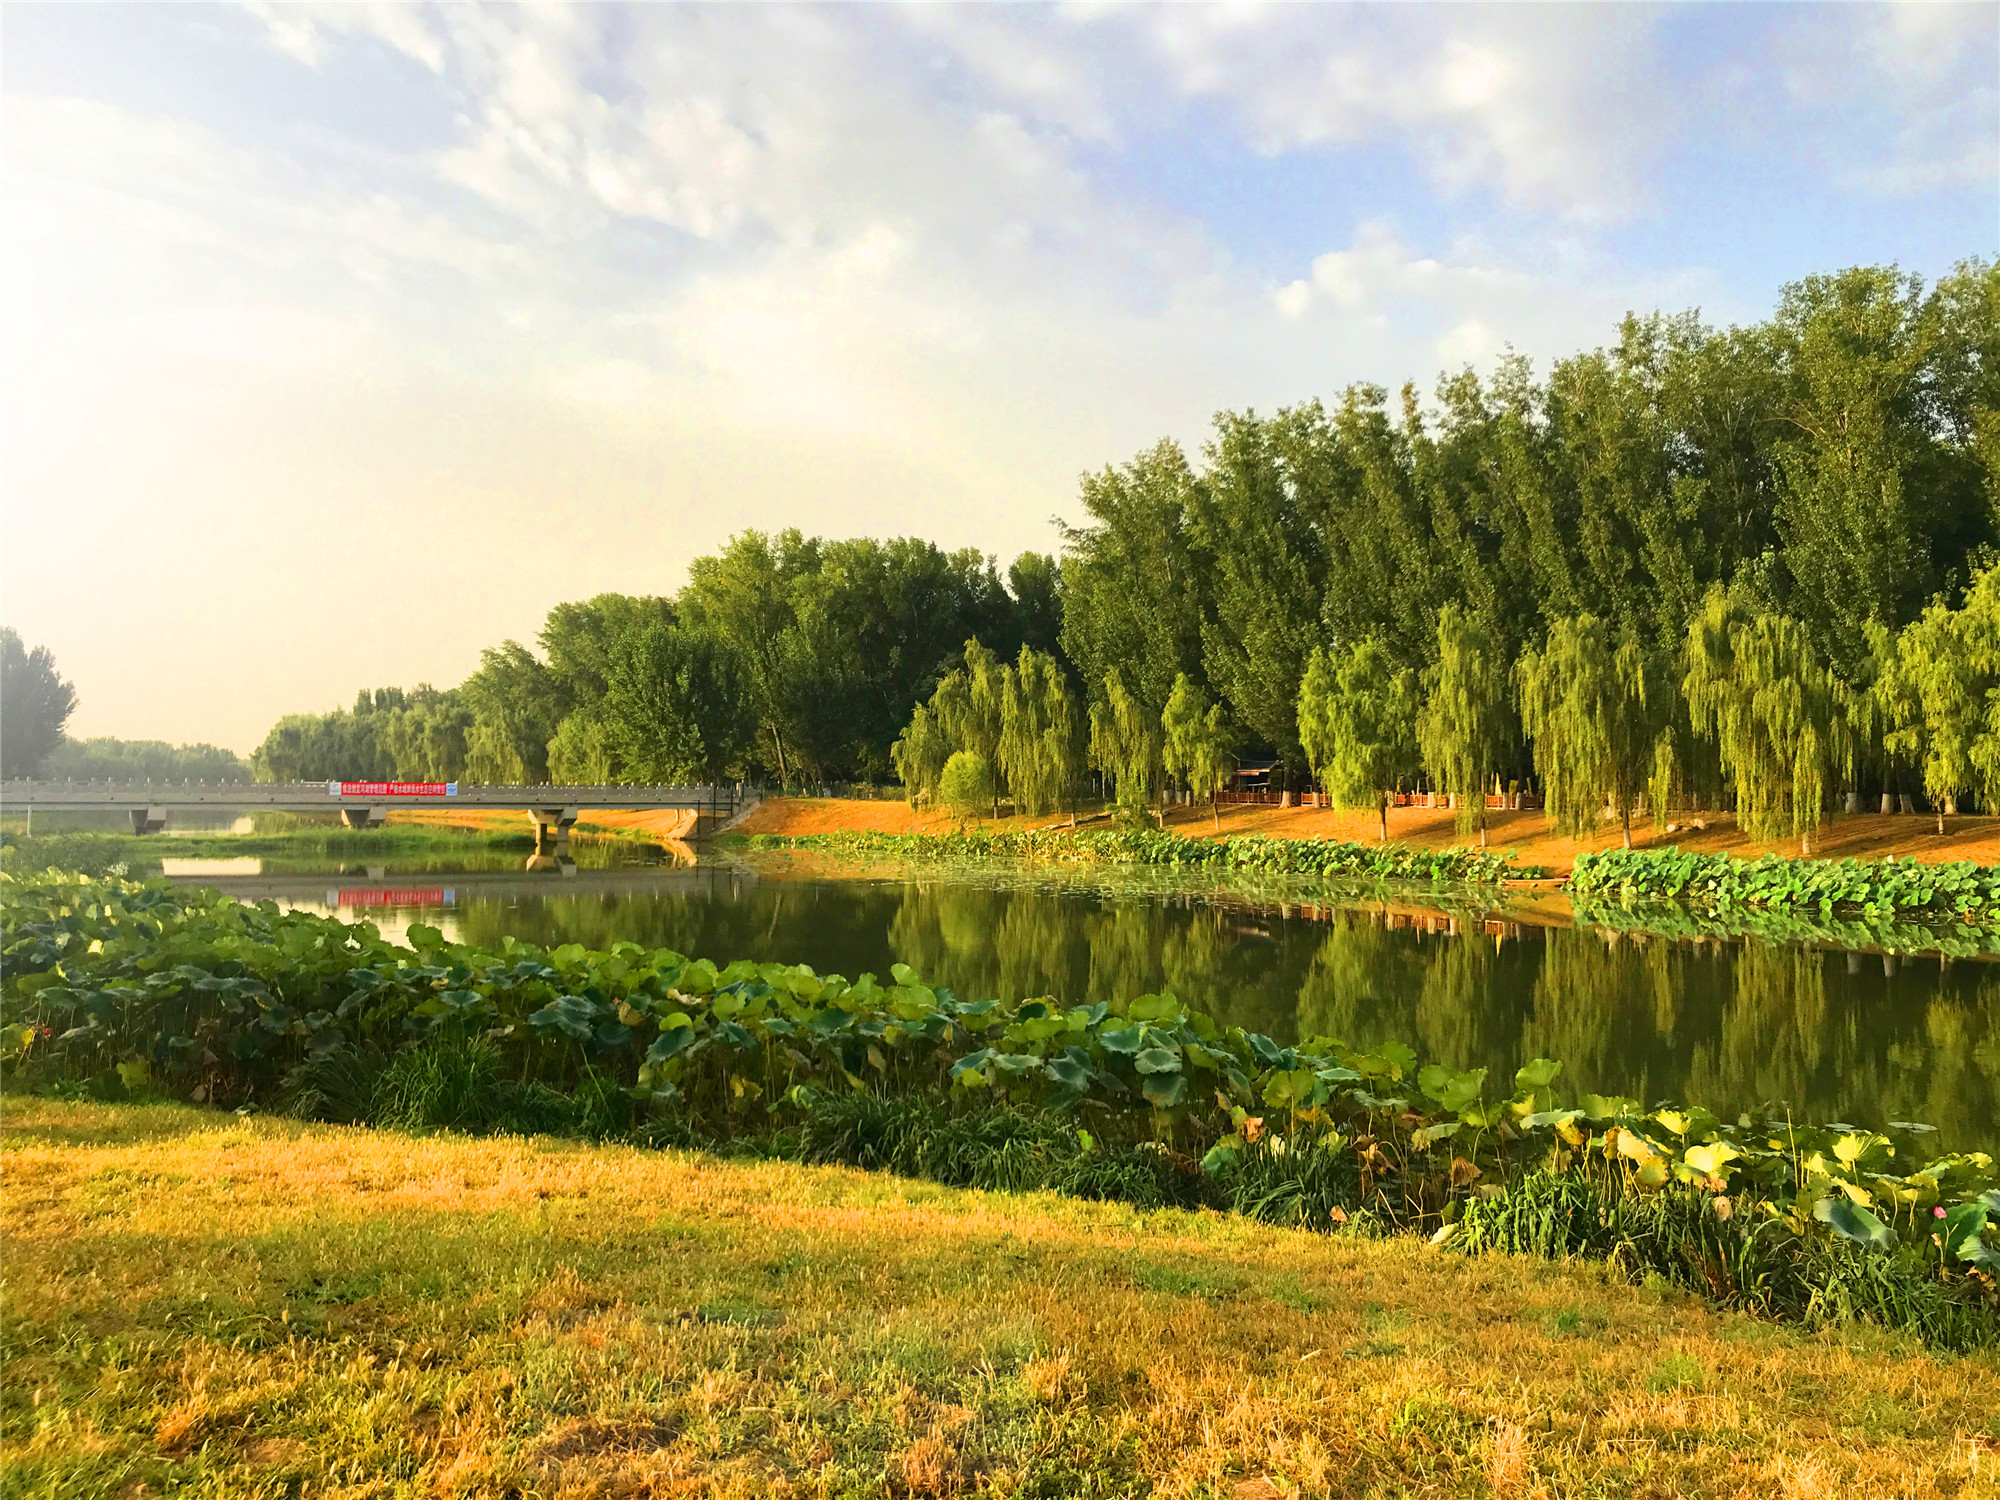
(340, 342)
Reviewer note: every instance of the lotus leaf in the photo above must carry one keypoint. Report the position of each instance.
(1157, 1060)
(1851, 1221)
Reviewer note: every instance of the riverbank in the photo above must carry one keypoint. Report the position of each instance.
(271, 1304)
(1525, 835)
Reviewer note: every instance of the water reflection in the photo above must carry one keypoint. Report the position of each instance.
(1730, 1024)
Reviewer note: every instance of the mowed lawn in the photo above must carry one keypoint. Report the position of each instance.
(197, 1304)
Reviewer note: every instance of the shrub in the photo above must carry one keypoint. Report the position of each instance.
(966, 786)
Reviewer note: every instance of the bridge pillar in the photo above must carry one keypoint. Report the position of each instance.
(364, 817)
(552, 826)
(148, 819)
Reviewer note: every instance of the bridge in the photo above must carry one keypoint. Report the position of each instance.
(552, 809)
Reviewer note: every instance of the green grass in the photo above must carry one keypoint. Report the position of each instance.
(209, 1305)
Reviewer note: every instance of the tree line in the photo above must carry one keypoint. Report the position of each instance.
(785, 659)
(1698, 565)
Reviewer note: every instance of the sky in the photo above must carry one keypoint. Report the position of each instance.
(341, 342)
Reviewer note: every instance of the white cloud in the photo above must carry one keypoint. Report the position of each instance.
(1553, 109)
(1897, 99)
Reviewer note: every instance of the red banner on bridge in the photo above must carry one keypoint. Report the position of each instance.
(392, 789)
(416, 895)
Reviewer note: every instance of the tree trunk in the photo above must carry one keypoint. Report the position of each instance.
(1382, 810)
(1627, 817)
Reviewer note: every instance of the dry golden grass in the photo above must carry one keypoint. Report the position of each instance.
(219, 1306)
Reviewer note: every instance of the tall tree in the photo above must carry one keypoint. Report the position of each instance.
(1133, 587)
(1259, 517)
(1194, 743)
(516, 705)
(1594, 711)
(1781, 719)
(1064, 740)
(1876, 511)
(677, 707)
(35, 704)
(1358, 721)
(1466, 726)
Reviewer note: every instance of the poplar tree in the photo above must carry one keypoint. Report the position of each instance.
(1358, 723)
(1125, 744)
(1781, 719)
(1465, 728)
(920, 753)
(1194, 743)
(1595, 713)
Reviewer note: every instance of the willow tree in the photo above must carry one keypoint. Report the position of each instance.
(1064, 742)
(1358, 724)
(1936, 696)
(1194, 743)
(919, 754)
(1783, 722)
(1032, 696)
(1125, 745)
(1595, 713)
(970, 706)
(1465, 726)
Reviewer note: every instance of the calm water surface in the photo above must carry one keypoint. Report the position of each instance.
(1835, 1035)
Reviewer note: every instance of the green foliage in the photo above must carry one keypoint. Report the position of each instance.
(1125, 746)
(38, 704)
(1936, 697)
(919, 755)
(1324, 858)
(1357, 719)
(1038, 733)
(199, 995)
(104, 758)
(1783, 722)
(1721, 882)
(674, 706)
(966, 785)
(1595, 712)
(1466, 723)
(1194, 742)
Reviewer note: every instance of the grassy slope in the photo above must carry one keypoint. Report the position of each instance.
(245, 1306)
(1867, 836)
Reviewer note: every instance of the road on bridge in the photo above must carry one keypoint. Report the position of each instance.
(361, 804)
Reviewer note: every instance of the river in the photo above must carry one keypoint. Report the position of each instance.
(1863, 1037)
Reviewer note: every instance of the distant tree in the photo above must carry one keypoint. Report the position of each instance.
(516, 704)
(1594, 712)
(676, 707)
(1125, 746)
(1194, 746)
(1132, 588)
(966, 785)
(1781, 719)
(1035, 582)
(920, 755)
(1358, 723)
(1465, 726)
(35, 704)
(103, 758)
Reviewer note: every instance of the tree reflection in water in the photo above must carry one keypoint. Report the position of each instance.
(1734, 1024)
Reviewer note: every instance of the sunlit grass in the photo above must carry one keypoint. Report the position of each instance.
(256, 1306)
